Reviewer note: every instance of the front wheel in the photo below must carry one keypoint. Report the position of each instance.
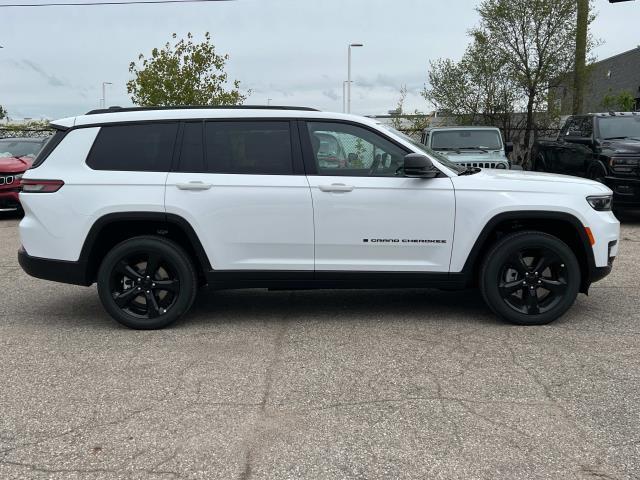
(530, 278)
(147, 282)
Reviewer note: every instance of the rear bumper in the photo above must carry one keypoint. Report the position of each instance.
(62, 271)
(626, 191)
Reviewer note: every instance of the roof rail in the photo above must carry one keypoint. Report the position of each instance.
(199, 107)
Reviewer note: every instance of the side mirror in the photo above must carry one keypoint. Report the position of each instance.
(417, 165)
(588, 141)
(508, 147)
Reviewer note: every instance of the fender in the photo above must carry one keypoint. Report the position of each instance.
(525, 215)
(163, 218)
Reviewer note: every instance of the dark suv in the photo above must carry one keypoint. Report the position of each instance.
(601, 146)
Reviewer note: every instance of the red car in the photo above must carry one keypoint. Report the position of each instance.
(16, 156)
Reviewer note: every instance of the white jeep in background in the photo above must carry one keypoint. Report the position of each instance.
(151, 203)
(469, 146)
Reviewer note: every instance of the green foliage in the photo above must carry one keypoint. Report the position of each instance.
(186, 73)
(477, 89)
(413, 122)
(622, 102)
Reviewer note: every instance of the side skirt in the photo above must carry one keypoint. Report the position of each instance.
(297, 280)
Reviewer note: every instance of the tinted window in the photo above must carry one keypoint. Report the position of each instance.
(248, 147)
(142, 148)
(192, 151)
(346, 150)
(580, 127)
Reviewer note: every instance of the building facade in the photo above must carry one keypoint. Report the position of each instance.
(608, 81)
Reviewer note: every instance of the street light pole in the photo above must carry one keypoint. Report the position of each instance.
(104, 93)
(349, 76)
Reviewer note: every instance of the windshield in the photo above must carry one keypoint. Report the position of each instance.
(19, 148)
(466, 140)
(619, 127)
(438, 156)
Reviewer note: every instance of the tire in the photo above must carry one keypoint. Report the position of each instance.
(541, 163)
(514, 288)
(166, 294)
(598, 174)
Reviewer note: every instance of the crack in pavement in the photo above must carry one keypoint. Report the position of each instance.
(259, 429)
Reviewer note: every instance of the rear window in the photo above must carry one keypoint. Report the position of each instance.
(140, 148)
(49, 146)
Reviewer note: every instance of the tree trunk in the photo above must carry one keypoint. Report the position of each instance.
(528, 128)
(579, 77)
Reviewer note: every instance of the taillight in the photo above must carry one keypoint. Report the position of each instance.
(40, 186)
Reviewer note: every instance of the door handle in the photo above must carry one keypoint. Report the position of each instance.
(194, 186)
(336, 187)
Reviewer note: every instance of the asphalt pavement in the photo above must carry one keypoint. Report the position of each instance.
(405, 384)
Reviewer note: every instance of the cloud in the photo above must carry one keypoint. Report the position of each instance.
(52, 80)
(331, 94)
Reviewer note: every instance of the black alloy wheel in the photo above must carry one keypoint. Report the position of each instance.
(147, 282)
(533, 281)
(530, 278)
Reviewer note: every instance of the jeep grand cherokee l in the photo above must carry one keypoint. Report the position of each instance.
(158, 201)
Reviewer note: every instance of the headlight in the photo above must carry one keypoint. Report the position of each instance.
(501, 166)
(601, 203)
(623, 165)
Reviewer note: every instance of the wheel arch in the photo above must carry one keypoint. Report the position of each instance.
(113, 228)
(564, 226)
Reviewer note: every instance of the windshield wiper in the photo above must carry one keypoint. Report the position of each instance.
(447, 149)
(616, 138)
(469, 171)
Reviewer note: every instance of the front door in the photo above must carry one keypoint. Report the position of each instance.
(241, 186)
(367, 215)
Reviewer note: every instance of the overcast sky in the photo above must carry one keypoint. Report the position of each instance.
(292, 51)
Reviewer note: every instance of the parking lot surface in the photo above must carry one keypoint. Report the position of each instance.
(407, 384)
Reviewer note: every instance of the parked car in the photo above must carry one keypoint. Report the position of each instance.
(158, 201)
(16, 156)
(602, 146)
(470, 146)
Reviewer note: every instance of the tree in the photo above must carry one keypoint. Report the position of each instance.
(623, 101)
(475, 90)
(3, 113)
(411, 122)
(536, 38)
(186, 73)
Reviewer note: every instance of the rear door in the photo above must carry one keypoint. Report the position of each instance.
(241, 186)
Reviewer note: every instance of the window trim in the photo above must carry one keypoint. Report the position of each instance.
(307, 149)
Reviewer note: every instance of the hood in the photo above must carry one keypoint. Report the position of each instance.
(626, 146)
(14, 164)
(474, 156)
(524, 181)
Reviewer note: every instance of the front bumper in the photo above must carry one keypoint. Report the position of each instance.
(62, 271)
(9, 198)
(626, 191)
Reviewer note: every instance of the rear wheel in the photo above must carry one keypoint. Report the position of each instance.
(147, 282)
(530, 278)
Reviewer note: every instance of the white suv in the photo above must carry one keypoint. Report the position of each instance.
(151, 203)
